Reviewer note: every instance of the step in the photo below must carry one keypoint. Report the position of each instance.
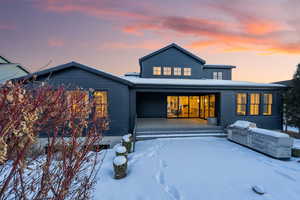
(157, 132)
(181, 135)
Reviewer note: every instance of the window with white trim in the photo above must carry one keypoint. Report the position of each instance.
(241, 104)
(167, 71)
(156, 70)
(187, 71)
(254, 103)
(268, 101)
(177, 71)
(218, 75)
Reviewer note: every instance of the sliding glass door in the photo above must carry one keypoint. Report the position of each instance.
(191, 106)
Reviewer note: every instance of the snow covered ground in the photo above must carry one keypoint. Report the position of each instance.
(198, 168)
(293, 129)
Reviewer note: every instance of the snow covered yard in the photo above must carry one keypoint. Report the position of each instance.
(198, 168)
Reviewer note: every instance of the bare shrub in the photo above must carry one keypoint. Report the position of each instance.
(72, 129)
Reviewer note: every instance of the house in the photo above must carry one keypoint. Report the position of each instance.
(173, 83)
(9, 70)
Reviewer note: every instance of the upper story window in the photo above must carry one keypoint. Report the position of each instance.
(218, 75)
(268, 101)
(254, 103)
(156, 70)
(187, 71)
(177, 71)
(241, 103)
(167, 71)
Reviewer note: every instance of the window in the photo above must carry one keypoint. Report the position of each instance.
(156, 70)
(177, 71)
(167, 71)
(218, 75)
(241, 103)
(254, 104)
(77, 101)
(100, 98)
(187, 71)
(268, 100)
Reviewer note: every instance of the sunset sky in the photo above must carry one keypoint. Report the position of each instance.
(260, 37)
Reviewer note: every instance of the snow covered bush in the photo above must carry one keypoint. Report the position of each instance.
(120, 167)
(121, 151)
(71, 128)
(127, 142)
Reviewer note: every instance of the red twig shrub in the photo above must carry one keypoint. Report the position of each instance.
(70, 127)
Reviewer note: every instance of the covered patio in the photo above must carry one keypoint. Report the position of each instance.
(177, 127)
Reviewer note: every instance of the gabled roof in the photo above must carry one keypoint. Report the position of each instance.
(79, 66)
(219, 66)
(14, 64)
(173, 45)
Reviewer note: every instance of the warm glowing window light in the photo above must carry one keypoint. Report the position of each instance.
(167, 71)
(254, 104)
(156, 70)
(241, 103)
(187, 71)
(268, 101)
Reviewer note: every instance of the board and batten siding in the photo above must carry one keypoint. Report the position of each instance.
(171, 57)
(118, 95)
(228, 109)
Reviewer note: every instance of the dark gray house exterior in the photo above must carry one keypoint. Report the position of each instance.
(174, 83)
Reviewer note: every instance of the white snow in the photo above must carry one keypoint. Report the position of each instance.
(297, 143)
(120, 160)
(126, 138)
(121, 149)
(293, 129)
(207, 168)
(269, 132)
(243, 124)
(195, 82)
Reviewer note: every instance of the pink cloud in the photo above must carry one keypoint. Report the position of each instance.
(7, 27)
(52, 42)
(148, 44)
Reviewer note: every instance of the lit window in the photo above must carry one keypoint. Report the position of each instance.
(156, 70)
(268, 101)
(100, 99)
(241, 103)
(187, 71)
(167, 71)
(254, 104)
(78, 102)
(218, 75)
(177, 71)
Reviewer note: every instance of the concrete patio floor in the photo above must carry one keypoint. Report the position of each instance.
(163, 124)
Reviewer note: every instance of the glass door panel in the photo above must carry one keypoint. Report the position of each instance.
(172, 106)
(206, 106)
(183, 110)
(202, 107)
(212, 102)
(194, 106)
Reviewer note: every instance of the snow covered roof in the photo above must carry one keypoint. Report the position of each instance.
(196, 82)
(219, 66)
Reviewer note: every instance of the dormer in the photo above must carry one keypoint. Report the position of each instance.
(172, 61)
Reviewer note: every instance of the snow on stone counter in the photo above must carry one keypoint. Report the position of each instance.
(269, 132)
(243, 124)
(196, 82)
